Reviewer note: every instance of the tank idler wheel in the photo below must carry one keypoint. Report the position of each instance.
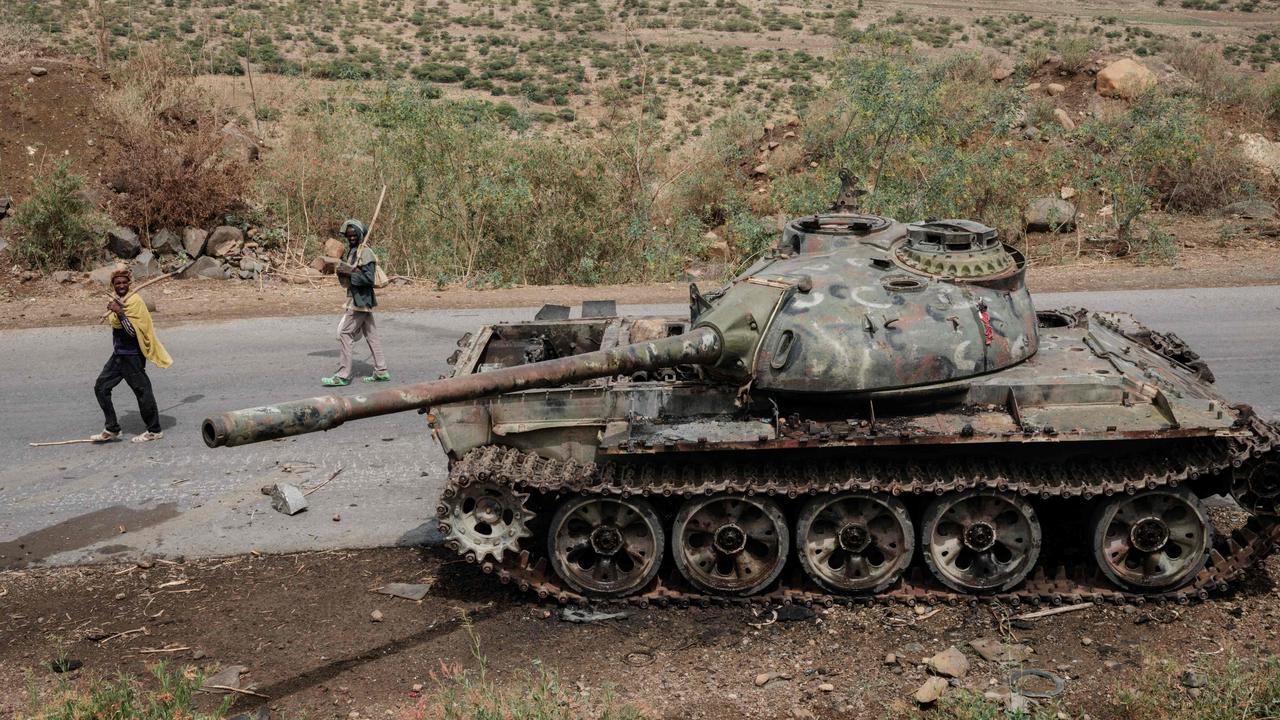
(1154, 540)
(980, 541)
(605, 546)
(1257, 487)
(730, 544)
(485, 520)
(856, 542)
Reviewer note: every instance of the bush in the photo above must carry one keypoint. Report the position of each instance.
(59, 227)
(125, 699)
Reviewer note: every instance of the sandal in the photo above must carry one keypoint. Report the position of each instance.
(146, 437)
(335, 381)
(383, 376)
(105, 436)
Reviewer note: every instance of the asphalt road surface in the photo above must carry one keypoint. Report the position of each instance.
(80, 503)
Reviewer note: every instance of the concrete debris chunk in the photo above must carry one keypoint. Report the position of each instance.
(287, 499)
(950, 662)
(408, 591)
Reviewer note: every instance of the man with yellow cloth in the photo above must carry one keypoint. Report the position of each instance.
(134, 342)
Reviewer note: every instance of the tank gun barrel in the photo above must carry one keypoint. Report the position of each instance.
(241, 427)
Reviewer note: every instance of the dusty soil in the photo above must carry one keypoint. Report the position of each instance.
(302, 625)
(48, 119)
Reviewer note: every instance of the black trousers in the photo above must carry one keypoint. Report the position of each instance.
(133, 370)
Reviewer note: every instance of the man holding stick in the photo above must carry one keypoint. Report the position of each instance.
(356, 272)
(134, 341)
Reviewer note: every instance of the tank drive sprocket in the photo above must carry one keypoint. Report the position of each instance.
(484, 520)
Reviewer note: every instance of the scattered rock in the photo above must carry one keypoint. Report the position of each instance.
(890, 659)
(239, 143)
(123, 242)
(304, 276)
(765, 678)
(1066, 192)
(1124, 79)
(1033, 87)
(224, 240)
(408, 591)
(1254, 209)
(204, 267)
(1261, 152)
(64, 276)
(950, 662)
(931, 690)
(826, 687)
(1001, 71)
(325, 265)
(226, 677)
(39, 71)
(1055, 88)
(1064, 119)
(146, 265)
(1192, 679)
(193, 240)
(287, 499)
(799, 713)
(102, 275)
(1052, 214)
(166, 242)
(1086, 641)
(1031, 132)
(5, 204)
(253, 266)
(992, 650)
(762, 169)
(417, 687)
(334, 248)
(375, 616)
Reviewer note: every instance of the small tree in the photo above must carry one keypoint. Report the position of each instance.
(59, 227)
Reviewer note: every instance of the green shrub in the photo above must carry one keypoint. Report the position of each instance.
(171, 696)
(58, 227)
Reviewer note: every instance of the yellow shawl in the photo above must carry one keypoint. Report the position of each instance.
(136, 310)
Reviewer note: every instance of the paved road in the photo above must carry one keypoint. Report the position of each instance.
(175, 496)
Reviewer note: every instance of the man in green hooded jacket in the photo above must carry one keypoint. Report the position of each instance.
(356, 273)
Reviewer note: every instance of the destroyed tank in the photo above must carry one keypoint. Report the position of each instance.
(872, 410)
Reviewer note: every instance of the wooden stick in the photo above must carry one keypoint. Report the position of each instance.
(326, 482)
(134, 290)
(1051, 611)
(62, 442)
(228, 688)
(248, 70)
(165, 650)
(122, 634)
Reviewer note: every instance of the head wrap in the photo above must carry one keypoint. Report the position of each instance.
(358, 226)
(121, 270)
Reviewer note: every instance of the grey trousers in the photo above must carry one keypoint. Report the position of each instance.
(354, 326)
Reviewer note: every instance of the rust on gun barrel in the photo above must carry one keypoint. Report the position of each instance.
(270, 422)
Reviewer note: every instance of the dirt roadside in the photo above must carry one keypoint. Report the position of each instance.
(45, 303)
(302, 625)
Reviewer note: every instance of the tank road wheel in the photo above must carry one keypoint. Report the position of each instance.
(606, 547)
(484, 520)
(1154, 540)
(730, 544)
(855, 542)
(980, 541)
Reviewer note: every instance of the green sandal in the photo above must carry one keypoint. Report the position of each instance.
(335, 381)
(383, 376)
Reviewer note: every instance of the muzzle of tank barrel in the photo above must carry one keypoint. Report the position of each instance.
(270, 422)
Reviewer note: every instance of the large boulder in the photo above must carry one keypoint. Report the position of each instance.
(204, 267)
(326, 265)
(224, 240)
(334, 248)
(193, 240)
(123, 242)
(145, 265)
(1051, 214)
(166, 242)
(1255, 209)
(102, 275)
(1261, 152)
(238, 143)
(1124, 79)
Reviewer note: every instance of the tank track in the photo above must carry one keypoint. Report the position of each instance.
(1231, 557)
